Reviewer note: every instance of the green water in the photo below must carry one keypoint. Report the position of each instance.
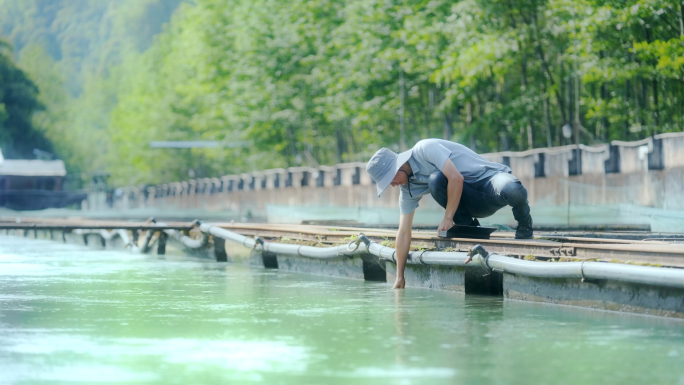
(69, 314)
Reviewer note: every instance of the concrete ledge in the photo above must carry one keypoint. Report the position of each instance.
(450, 278)
(343, 267)
(604, 295)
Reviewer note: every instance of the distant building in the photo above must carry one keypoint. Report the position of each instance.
(28, 184)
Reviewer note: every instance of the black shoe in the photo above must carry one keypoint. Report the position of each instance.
(524, 230)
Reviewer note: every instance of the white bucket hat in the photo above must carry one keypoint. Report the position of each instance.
(384, 165)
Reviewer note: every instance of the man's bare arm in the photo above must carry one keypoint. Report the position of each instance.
(403, 244)
(454, 191)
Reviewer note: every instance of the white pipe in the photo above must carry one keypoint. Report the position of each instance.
(109, 235)
(535, 269)
(310, 251)
(228, 235)
(457, 258)
(283, 248)
(638, 274)
(187, 241)
(647, 275)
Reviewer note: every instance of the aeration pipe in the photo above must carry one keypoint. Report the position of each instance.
(283, 248)
(454, 258)
(647, 275)
(188, 241)
(109, 235)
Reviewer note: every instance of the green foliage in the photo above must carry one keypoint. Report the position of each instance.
(18, 102)
(76, 52)
(86, 36)
(326, 81)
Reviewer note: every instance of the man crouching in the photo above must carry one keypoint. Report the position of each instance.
(467, 185)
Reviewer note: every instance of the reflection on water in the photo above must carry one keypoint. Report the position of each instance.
(71, 314)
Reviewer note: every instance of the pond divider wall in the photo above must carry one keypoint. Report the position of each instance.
(607, 286)
(597, 294)
(638, 183)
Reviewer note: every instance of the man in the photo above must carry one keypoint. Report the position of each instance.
(464, 183)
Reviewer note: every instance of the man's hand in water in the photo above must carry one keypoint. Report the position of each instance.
(399, 283)
(446, 224)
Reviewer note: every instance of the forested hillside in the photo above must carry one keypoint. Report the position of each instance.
(18, 103)
(74, 51)
(324, 81)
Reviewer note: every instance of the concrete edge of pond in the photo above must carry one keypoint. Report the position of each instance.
(598, 285)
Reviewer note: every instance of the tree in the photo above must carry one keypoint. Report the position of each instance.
(325, 81)
(18, 102)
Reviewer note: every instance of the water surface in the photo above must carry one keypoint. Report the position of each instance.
(70, 314)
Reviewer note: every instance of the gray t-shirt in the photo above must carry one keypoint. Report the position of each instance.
(429, 155)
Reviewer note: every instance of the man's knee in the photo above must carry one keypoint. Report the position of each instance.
(515, 193)
(437, 182)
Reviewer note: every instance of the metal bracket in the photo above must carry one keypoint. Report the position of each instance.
(563, 251)
(478, 254)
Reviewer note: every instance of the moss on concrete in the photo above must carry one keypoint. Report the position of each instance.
(303, 242)
(635, 263)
